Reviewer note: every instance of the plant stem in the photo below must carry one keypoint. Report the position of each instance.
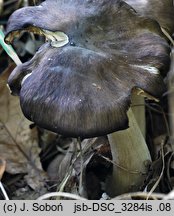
(171, 98)
(131, 157)
(138, 108)
(9, 49)
(3, 191)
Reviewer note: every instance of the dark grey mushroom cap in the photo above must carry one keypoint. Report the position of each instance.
(160, 10)
(83, 88)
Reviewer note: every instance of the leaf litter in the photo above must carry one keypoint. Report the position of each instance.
(18, 142)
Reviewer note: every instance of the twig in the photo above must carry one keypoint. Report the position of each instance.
(161, 174)
(121, 167)
(3, 191)
(141, 195)
(81, 166)
(60, 194)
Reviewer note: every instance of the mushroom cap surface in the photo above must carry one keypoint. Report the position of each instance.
(160, 10)
(83, 88)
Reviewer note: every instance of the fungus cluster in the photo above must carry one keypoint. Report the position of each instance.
(79, 83)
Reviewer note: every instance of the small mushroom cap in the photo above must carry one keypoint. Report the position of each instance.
(161, 10)
(83, 88)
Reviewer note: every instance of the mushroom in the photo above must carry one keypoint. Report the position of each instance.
(162, 11)
(80, 82)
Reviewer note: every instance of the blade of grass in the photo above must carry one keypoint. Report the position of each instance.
(3, 191)
(9, 49)
(2, 170)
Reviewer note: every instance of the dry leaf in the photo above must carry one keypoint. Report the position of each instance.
(2, 167)
(18, 143)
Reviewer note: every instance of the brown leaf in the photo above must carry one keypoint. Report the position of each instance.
(18, 143)
(2, 167)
